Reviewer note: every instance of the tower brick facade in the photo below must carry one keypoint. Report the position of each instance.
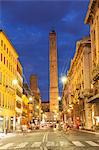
(53, 73)
(33, 83)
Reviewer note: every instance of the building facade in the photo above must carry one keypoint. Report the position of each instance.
(45, 111)
(81, 92)
(27, 104)
(19, 92)
(8, 71)
(45, 106)
(76, 108)
(53, 91)
(92, 18)
(37, 97)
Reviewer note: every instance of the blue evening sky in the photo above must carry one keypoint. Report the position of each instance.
(28, 23)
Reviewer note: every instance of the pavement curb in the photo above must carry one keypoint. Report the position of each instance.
(7, 136)
(96, 133)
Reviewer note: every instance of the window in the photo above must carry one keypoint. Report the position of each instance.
(1, 42)
(9, 54)
(4, 47)
(4, 60)
(0, 98)
(94, 35)
(18, 104)
(3, 100)
(3, 79)
(9, 66)
(7, 50)
(7, 63)
(1, 57)
(0, 77)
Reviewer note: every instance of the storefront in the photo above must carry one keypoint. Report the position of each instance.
(94, 101)
(1, 123)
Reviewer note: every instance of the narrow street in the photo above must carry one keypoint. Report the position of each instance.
(51, 140)
(49, 74)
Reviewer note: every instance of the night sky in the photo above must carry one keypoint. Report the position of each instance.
(28, 23)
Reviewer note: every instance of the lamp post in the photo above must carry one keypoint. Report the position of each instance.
(64, 79)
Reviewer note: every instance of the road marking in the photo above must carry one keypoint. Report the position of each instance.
(45, 148)
(22, 145)
(36, 144)
(7, 146)
(44, 137)
(41, 148)
(50, 143)
(78, 143)
(64, 143)
(92, 143)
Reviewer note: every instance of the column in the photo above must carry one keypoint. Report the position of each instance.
(88, 115)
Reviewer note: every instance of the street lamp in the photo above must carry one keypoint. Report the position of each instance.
(64, 79)
(59, 98)
(37, 107)
(68, 110)
(30, 98)
(15, 82)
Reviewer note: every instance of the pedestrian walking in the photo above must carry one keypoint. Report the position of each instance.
(24, 129)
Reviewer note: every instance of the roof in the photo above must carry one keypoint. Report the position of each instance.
(89, 11)
(9, 41)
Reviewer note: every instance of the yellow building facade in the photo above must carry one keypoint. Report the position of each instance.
(8, 71)
(25, 101)
(19, 92)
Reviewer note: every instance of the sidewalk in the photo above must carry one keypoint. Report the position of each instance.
(92, 132)
(3, 135)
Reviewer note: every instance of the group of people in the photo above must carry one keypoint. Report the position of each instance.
(67, 127)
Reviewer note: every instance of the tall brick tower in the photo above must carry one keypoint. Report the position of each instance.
(53, 73)
(34, 83)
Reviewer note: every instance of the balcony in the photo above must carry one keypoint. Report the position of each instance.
(95, 73)
(78, 86)
(94, 98)
(10, 89)
(80, 95)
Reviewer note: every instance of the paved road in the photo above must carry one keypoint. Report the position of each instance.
(51, 140)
